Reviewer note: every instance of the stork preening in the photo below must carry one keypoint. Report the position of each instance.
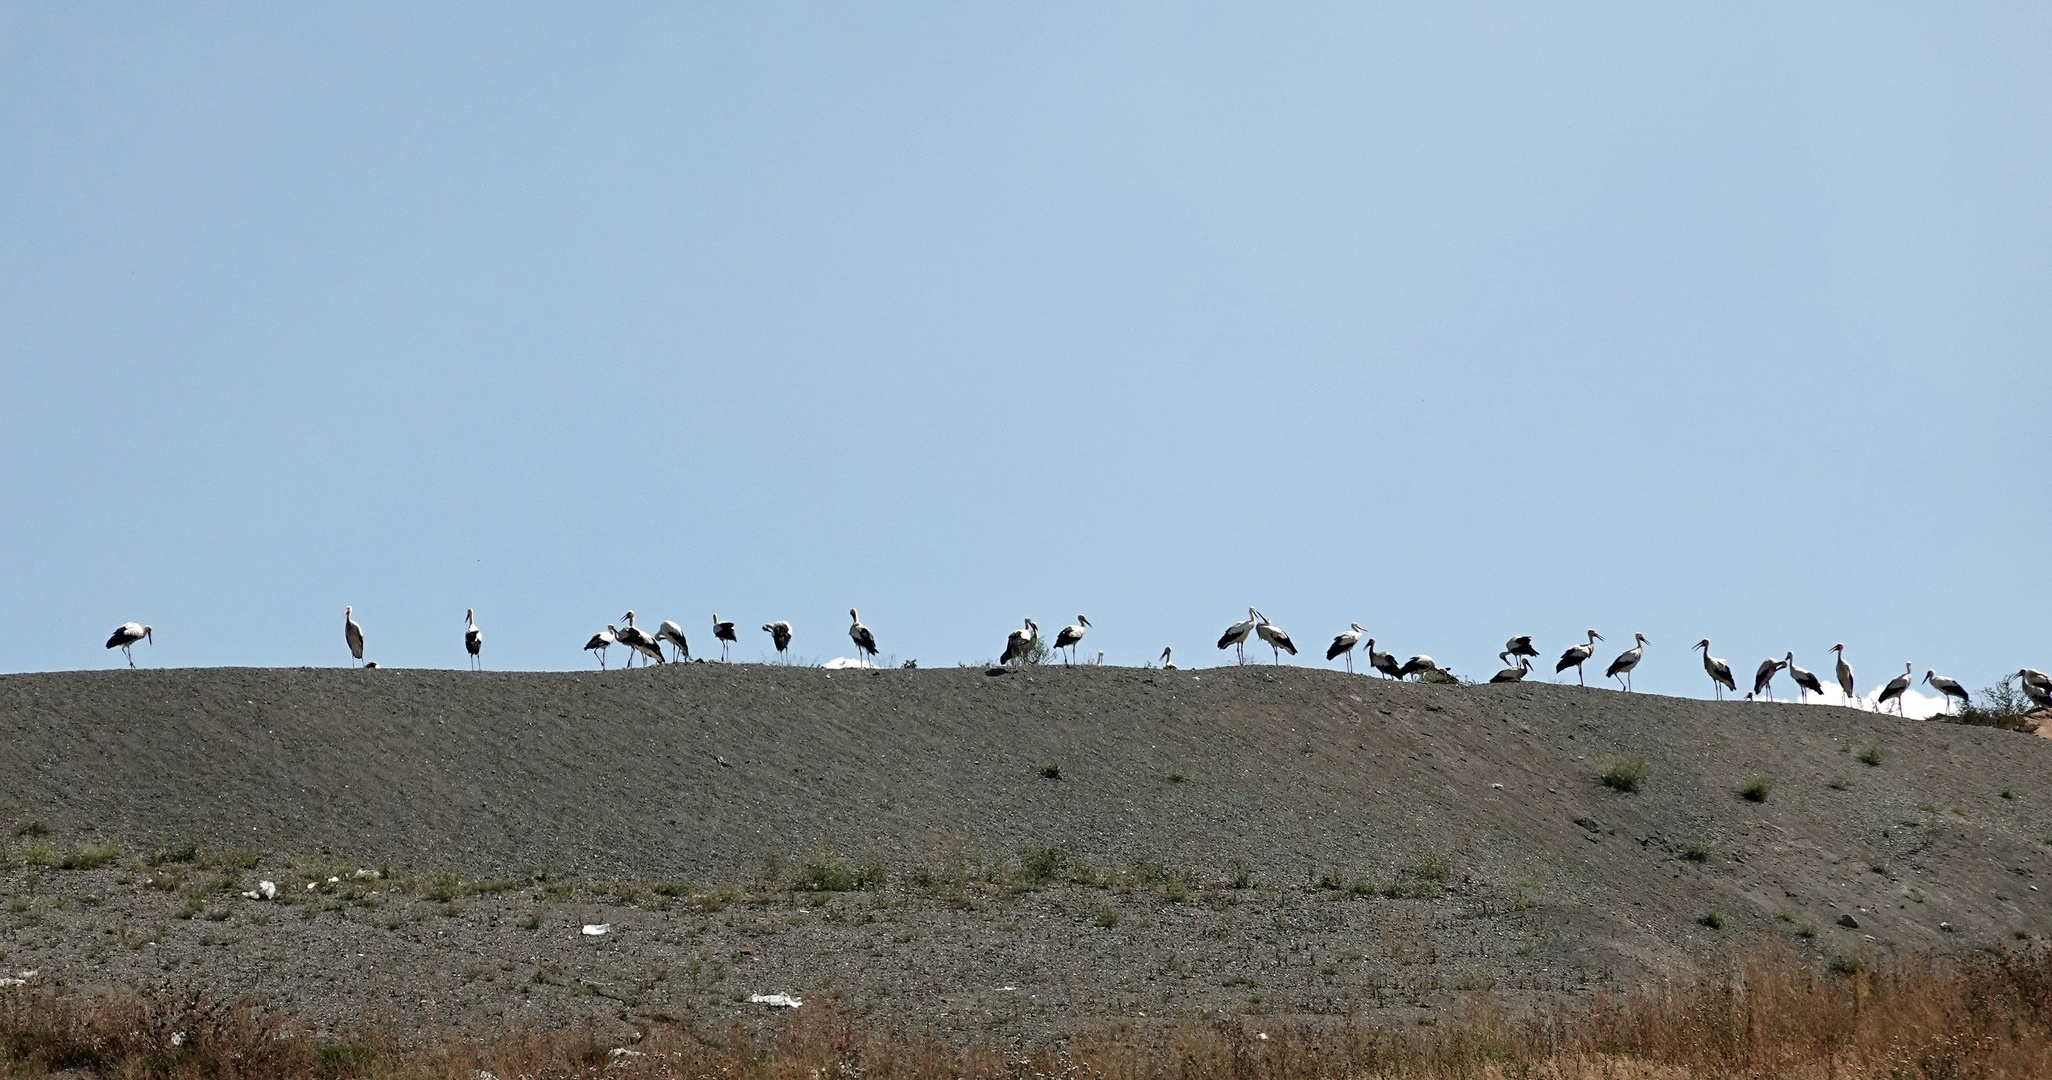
(1896, 688)
(126, 635)
(1763, 677)
(1845, 674)
(602, 641)
(1417, 665)
(780, 634)
(1519, 668)
(673, 635)
(1277, 638)
(641, 641)
(352, 633)
(2036, 686)
(1949, 687)
(865, 642)
(1070, 635)
(1521, 646)
(1806, 680)
(1719, 671)
(1019, 642)
(1168, 658)
(1382, 661)
(724, 631)
(1577, 655)
(473, 639)
(1235, 637)
(1621, 668)
(1343, 645)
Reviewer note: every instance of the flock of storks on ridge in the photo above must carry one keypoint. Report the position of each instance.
(1518, 654)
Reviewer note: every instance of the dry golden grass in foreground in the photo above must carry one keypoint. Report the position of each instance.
(1770, 1015)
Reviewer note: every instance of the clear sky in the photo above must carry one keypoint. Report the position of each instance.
(1456, 321)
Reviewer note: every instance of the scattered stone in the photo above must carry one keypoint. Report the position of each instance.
(778, 1000)
(1848, 922)
(596, 929)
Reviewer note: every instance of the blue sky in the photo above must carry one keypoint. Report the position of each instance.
(1456, 321)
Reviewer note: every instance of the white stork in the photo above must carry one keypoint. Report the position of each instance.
(1100, 658)
(1070, 635)
(1949, 687)
(1382, 661)
(1521, 646)
(1516, 672)
(1763, 677)
(1896, 687)
(128, 634)
(1626, 661)
(641, 641)
(473, 638)
(352, 633)
(1020, 640)
(1720, 672)
(1845, 673)
(2036, 686)
(1417, 665)
(865, 642)
(1168, 658)
(1277, 638)
(1577, 655)
(1806, 680)
(724, 631)
(602, 641)
(1235, 637)
(780, 633)
(669, 632)
(1343, 645)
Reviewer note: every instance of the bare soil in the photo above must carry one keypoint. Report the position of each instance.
(1255, 839)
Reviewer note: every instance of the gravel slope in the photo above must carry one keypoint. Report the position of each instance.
(1267, 778)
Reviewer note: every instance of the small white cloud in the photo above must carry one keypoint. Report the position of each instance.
(1915, 704)
(840, 662)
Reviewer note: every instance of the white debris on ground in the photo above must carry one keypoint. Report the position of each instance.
(782, 1000)
(842, 663)
(22, 978)
(265, 890)
(596, 929)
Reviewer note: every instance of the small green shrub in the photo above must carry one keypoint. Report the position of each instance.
(1051, 771)
(1107, 916)
(1853, 963)
(1696, 853)
(827, 872)
(1711, 919)
(1040, 865)
(1627, 773)
(1756, 788)
(89, 857)
(175, 853)
(1869, 755)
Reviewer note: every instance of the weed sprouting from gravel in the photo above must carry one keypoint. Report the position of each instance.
(1869, 755)
(828, 872)
(1107, 916)
(88, 857)
(1696, 853)
(1713, 920)
(174, 854)
(1756, 788)
(1052, 771)
(1627, 773)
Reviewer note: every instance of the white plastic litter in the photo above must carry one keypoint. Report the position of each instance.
(842, 663)
(178, 1038)
(782, 1000)
(596, 929)
(265, 890)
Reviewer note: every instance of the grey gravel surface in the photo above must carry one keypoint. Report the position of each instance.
(1258, 838)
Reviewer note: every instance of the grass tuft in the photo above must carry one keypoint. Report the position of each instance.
(1627, 773)
(1869, 755)
(1756, 788)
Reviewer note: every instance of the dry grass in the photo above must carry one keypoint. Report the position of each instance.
(1769, 1016)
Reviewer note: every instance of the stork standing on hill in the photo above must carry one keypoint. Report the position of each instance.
(128, 634)
(780, 633)
(1235, 637)
(1168, 658)
(1019, 641)
(725, 632)
(1896, 688)
(1277, 638)
(1626, 661)
(865, 642)
(352, 633)
(672, 634)
(2036, 686)
(1806, 680)
(1417, 665)
(1949, 687)
(1763, 677)
(1577, 655)
(1521, 646)
(1720, 672)
(641, 641)
(473, 638)
(1070, 635)
(1343, 645)
(602, 641)
(1845, 674)
(1382, 661)
(1516, 672)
